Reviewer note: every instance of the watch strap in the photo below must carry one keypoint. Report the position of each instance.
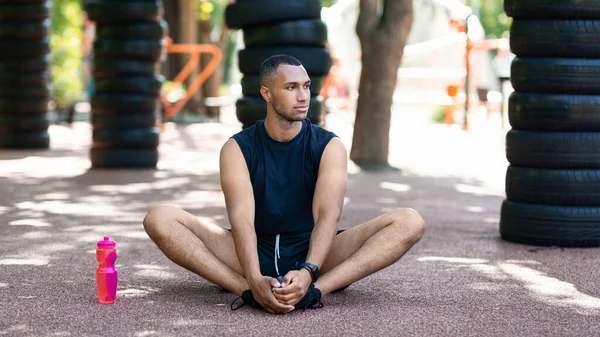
(313, 269)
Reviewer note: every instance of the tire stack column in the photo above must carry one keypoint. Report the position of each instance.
(25, 81)
(126, 64)
(553, 180)
(270, 27)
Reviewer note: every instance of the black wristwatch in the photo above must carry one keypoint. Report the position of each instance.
(314, 270)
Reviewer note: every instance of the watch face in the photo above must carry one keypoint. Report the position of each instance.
(316, 272)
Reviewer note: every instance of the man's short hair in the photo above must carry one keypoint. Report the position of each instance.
(270, 65)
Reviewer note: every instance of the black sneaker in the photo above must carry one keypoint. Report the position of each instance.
(312, 299)
(247, 298)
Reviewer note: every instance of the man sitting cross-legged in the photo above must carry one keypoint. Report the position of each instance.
(284, 181)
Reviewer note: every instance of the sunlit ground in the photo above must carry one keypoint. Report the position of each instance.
(440, 150)
(541, 287)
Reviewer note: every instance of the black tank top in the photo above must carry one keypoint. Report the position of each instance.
(283, 175)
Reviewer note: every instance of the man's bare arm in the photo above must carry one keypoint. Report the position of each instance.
(239, 200)
(328, 200)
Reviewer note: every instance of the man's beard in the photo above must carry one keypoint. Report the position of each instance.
(282, 112)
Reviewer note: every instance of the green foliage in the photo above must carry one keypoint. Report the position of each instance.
(213, 10)
(328, 3)
(66, 52)
(493, 19)
(438, 114)
(204, 10)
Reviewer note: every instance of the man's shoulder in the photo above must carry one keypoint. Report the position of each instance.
(246, 135)
(320, 134)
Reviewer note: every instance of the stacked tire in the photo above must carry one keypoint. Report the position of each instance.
(25, 82)
(270, 27)
(126, 63)
(553, 180)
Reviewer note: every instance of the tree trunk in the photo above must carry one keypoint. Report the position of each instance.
(382, 38)
(211, 87)
(171, 67)
(188, 33)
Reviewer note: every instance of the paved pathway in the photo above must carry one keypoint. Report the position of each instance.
(460, 280)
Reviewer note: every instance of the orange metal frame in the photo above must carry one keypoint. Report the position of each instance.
(195, 50)
(461, 26)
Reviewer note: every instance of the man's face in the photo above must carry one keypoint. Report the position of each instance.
(290, 92)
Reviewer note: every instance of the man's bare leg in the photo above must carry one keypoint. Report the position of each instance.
(370, 247)
(203, 248)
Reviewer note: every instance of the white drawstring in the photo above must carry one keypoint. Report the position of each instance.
(276, 253)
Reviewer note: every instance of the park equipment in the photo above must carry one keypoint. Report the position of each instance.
(25, 83)
(129, 46)
(272, 27)
(171, 109)
(553, 181)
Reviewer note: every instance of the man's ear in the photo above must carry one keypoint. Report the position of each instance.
(265, 93)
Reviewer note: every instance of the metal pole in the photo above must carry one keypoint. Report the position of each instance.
(468, 73)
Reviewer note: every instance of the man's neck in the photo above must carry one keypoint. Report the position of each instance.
(282, 130)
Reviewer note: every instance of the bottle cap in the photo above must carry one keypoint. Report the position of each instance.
(106, 243)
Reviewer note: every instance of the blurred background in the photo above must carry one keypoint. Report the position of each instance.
(432, 77)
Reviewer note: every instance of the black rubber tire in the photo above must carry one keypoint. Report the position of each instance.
(557, 150)
(251, 85)
(13, 122)
(316, 60)
(290, 33)
(123, 157)
(25, 84)
(148, 50)
(24, 48)
(16, 67)
(2, 2)
(551, 112)
(137, 30)
(27, 92)
(25, 12)
(14, 105)
(125, 121)
(115, 103)
(546, 225)
(556, 75)
(261, 12)
(140, 84)
(555, 38)
(37, 139)
(25, 30)
(34, 82)
(128, 138)
(553, 186)
(111, 67)
(34, 93)
(553, 9)
(249, 110)
(102, 11)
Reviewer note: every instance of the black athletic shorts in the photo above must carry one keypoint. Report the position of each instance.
(290, 252)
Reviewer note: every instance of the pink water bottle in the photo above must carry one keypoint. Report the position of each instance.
(106, 275)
